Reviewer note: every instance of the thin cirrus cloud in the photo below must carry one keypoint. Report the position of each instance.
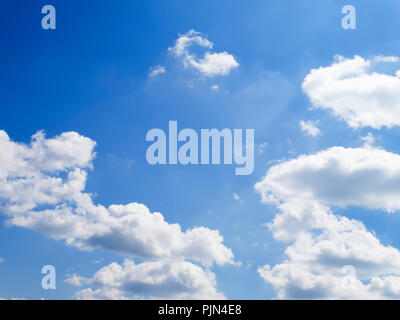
(211, 64)
(156, 71)
(321, 243)
(353, 92)
(42, 189)
(152, 280)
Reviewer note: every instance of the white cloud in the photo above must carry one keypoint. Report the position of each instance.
(1, 260)
(155, 71)
(212, 64)
(354, 93)
(100, 294)
(155, 280)
(321, 243)
(337, 177)
(42, 189)
(309, 128)
(75, 280)
(215, 87)
(186, 40)
(369, 140)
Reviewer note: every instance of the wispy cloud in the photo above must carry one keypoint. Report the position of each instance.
(156, 71)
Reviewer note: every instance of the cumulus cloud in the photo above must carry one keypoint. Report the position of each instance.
(151, 280)
(354, 93)
(337, 177)
(212, 63)
(42, 189)
(320, 243)
(309, 128)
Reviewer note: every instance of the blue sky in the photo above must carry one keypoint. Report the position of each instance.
(91, 76)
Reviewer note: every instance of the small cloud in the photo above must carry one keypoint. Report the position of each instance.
(261, 147)
(237, 198)
(309, 128)
(155, 71)
(97, 261)
(75, 280)
(212, 63)
(214, 87)
(369, 140)
(386, 59)
(1, 260)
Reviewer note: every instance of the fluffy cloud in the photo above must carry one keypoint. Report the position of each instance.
(320, 243)
(154, 280)
(212, 64)
(354, 93)
(337, 177)
(309, 128)
(42, 189)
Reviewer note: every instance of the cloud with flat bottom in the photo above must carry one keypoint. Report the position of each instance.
(352, 92)
(321, 243)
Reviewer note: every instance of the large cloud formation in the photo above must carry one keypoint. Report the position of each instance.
(42, 188)
(212, 64)
(320, 243)
(354, 93)
(151, 280)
